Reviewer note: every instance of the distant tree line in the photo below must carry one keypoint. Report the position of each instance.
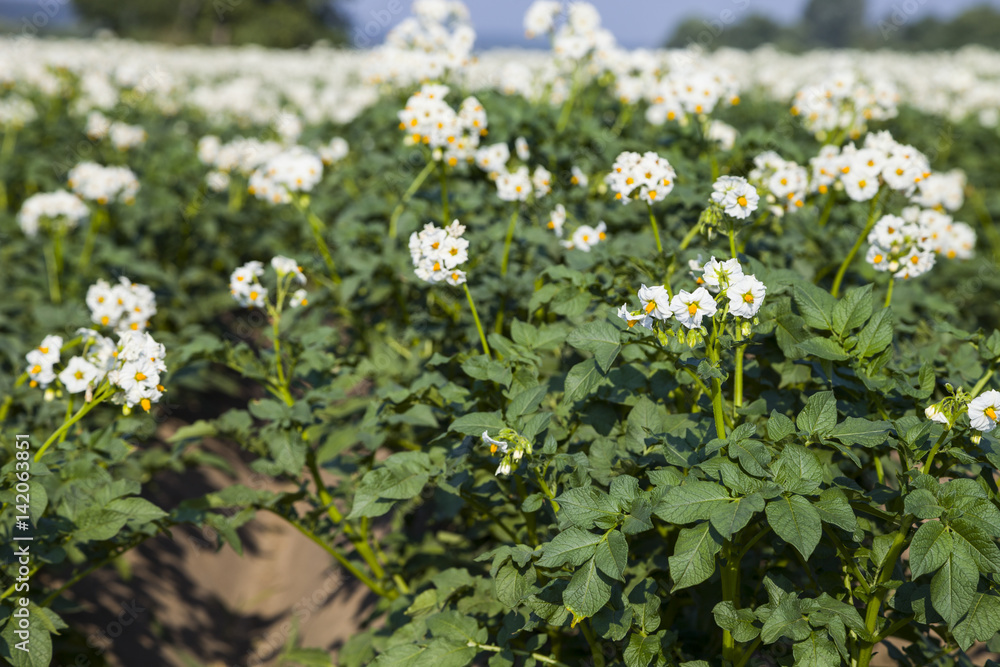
(827, 24)
(277, 23)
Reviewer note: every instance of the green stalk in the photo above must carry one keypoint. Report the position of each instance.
(857, 245)
(475, 316)
(888, 295)
(9, 141)
(596, 654)
(544, 659)
(656, 229)
(717, 407)
(96, 221)
(730, 593)
(410, 191)
(80, 414)
(982, 383)
(738, 379)
(507, 242)
(824, 217)
(899, 544)
(443, 173)
(732, 239)
(52, 270)
(686, 241)
(568, 105)
(318, 227)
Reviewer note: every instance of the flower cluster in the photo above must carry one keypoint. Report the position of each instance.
(453, 136)
(126, 306)
(586, 237)
(123, 136)
(648, 177)
(941, 190)
(511, 449)
(295, 170)
(128, 372)
(245, 286)
(900, 247)
(861, 171)
(103, 184)
(436, 41)
(437, 253)
(845, 102)
(784, 182)
(60, 209)
(736, 197)
(745, 296)
(693, 89)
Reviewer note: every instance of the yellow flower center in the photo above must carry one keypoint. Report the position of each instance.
(78, 375)
(748, 297)
(741, 200)
(877, 259)
(650, 307)
(253, 295)
(693, 309)
(437, 266)
(43, 350)
(36, 369)
(146, 405)
(915, 259)
(862, 183)
(140, 376)
(991, 413)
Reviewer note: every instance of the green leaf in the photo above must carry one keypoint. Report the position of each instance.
(922, 504)
(381, 485)
(816, 651)
(585, 507)
(526, 401)
(823, 348)
(954, 585)
(475, 423)
(981, 622)
(740, 622)
(853, 310)
(752, 455)
(586, 592)
(735, 515)
(446, 653)
(612, 555)
(268, 408)
(982, 547)
(779, 426)
(929, 548)
(38, 648)
(510, 585)
(601, 338)
(798, 470)
(815, 304)
(876, 336)
(403, 655)
(819, 415)
(795, 521)
(624, 490)
(691, 502)
(864, 432)
(785, 621)
(137, 509)
(582, 380)
(456, 626)
(287, 450)
(834, 508)
(693, 560)
(573, 545)
(642, 650)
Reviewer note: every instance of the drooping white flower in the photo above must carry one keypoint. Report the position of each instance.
(720, 275)
(639, 317)
(655, 301)
(495, 445)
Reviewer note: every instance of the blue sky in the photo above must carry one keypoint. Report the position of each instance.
(641, 23)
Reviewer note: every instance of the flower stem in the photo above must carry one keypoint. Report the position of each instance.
(410, 191)
(738, 378)
(717, 407)
(730, 593)
(982, 383)
(732, 240)
(824, 217)
(686, 241)
(475, 316)
(544, 659)
(507, 242)
(96, 221)
(317, 227)
(9, 141)
(857, 245)
(443, 173)
(80, 414)
(656, 229)
(888, 295)
(53, 270)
